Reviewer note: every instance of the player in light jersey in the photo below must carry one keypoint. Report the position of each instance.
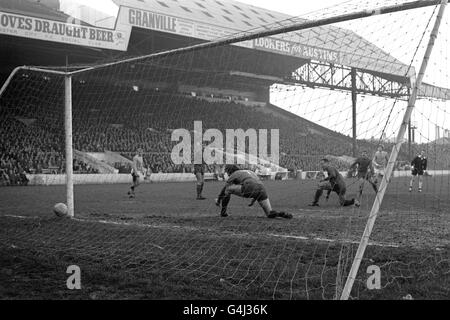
(199, 172)
(380, 161)
(246, 184)
(137, 169)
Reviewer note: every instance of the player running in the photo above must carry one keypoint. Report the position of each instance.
(380, 161)
(419, 166)
(333, 182)
(136, 169)
(199, 171)
(365, 170)
(246, 184)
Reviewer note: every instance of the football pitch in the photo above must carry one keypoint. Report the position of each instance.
(164, 244)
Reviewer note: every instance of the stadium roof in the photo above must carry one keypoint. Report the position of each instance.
(235, 15)
(223, 18)
(33, 9)
(352, 49)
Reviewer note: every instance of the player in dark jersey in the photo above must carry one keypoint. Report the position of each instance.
(333, 182)
(246, 184)
(418, 168)
(365, 172)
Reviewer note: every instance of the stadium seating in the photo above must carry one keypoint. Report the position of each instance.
(145, 120)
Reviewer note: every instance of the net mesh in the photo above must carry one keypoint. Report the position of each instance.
(166, 244)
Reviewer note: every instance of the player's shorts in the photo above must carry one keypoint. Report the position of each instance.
(416, 172)
(253, 189)
(379, 171)
(135, 177)
(363, 175)
(199, 169)
(327, 185)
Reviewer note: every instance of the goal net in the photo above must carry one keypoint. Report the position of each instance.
(330, 85)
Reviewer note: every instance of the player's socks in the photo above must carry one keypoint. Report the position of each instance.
(199, 192)
(410, 189)
(223, 212)
(375, 188)
(316, 198)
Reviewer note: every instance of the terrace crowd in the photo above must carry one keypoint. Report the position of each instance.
(32, 136)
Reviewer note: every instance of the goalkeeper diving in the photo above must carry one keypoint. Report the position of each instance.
(246, 184)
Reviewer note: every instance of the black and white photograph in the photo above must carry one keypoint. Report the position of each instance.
(229, 156)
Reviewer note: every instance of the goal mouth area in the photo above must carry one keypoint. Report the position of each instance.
(120, 259)
(306, 226)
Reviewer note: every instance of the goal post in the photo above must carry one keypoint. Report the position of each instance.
(415, 84)
(67, 125)
(69, 148)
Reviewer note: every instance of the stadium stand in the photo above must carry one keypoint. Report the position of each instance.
(32, 137)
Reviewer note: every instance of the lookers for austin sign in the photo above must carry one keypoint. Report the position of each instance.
(296, 49)
(64, 32)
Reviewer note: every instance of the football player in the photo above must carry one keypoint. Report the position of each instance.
(418, 168)
(380, 161)
(333, 182)
(136, 170)
(365, 171)
(246, 184)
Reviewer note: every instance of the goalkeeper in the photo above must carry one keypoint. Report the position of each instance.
(246, 184)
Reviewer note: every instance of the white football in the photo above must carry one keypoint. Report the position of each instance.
(60, 209)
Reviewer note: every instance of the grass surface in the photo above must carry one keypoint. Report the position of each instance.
(164, 244)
